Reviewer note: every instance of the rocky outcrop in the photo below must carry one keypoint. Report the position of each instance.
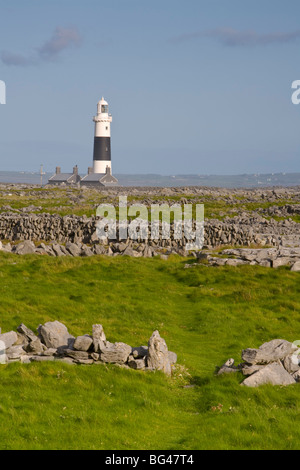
(55, 343)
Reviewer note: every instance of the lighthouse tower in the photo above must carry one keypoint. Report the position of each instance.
(100, 173)
(102, 155)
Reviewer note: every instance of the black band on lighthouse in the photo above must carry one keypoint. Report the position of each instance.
(102, 148)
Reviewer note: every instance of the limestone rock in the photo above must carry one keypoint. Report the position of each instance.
(15, 352)
(268, 352)
(137, 363)
(284, 261)
(99, 338)
(129, 252)
(296, 266)
(274, 374)
(57, 250)
(35, 346)
(49, 352)
(158, 354)
(99, 250)
(115, 352)
(77, 355)
(73, 248)
(55, 334)
(95, 356)
(23, 330)
(86, 251)
(228, 367)
(291, 362)
(25, 248)
(83, 343)
(9, 338)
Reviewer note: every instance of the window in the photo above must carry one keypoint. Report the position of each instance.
(104, 108)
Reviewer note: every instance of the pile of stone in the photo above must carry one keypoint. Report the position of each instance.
(276, 362)
(54, 343)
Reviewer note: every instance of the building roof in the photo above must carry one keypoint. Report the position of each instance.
(93, 177)
(61, 177)
(104, 179)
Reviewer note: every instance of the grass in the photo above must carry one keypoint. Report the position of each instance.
(205, 314)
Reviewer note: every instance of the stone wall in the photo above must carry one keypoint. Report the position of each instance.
(231, 231)
(54, 343)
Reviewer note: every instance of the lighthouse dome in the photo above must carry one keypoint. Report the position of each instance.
(102, 101)
(102, 106)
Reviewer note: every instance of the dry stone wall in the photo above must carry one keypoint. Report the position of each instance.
(54, 343)
(232, 231)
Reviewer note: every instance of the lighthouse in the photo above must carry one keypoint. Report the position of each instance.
(100, 173)
(102, 152)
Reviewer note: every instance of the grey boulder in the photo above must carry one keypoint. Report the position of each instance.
(73, 248)
(25, 248)
(291, 362)
(55, 334)
(77, 355)
(83, 343)
(158, 354)
(8, 339)
(137, 363)
(274, 350)
(228, 367)
(296, 266)
(23, 330)
(274, 374)
(15, 352)
(117, 353)
(35, 346)
(99, 338)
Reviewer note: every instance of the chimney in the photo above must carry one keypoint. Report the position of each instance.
(57, 170)
(90, 170)
(75, 170)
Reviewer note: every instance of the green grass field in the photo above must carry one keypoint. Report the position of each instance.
(205, 314)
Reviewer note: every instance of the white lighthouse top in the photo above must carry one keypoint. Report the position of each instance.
(102, 111)
(102, 106)
(102, 101)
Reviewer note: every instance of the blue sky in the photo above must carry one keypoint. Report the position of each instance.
(194, 87)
